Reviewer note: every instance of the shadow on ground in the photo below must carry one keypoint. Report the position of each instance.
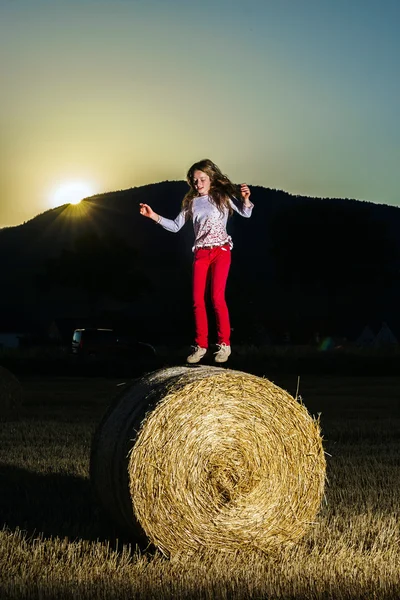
(54, 505)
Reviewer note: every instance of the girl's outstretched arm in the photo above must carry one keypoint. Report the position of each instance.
(245, 207)
(245, 191)
(147, 211)
(170, 225)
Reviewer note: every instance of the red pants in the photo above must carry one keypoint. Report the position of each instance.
(217, 260)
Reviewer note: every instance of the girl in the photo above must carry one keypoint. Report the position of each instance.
(208, 203)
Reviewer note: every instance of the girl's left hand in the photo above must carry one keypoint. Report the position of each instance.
(245, 191)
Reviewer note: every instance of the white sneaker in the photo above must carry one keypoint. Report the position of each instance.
(196, 355)
(223, 353)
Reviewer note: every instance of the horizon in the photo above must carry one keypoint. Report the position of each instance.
(111, 192)
(109, 94)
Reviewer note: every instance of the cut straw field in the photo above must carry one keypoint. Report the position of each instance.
(56, 542)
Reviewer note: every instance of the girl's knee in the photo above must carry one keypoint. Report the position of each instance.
(218, 300)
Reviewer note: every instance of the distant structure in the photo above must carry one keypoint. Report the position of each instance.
(13, 332)
(385, 337)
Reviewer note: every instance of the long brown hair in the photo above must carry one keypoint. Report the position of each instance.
(221, 188)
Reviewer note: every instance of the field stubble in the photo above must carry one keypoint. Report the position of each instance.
(57, 543)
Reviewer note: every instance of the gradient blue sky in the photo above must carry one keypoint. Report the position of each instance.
(296, 95)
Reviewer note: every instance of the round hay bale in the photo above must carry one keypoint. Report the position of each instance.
(209, 458)
(11, 394)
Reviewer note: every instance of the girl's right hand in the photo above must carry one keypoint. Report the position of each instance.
(147, 211)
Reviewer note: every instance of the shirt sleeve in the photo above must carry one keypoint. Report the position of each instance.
(174, 225)
(240, 208)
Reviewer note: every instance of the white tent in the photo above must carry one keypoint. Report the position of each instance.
(385, 336)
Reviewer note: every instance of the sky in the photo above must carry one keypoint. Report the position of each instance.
(301, 96)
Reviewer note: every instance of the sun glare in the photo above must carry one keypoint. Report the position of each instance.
(70, 193)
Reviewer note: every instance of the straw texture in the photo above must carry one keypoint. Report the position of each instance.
(11, 394)
(210, 458)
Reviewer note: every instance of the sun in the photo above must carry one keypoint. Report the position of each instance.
(70, 193)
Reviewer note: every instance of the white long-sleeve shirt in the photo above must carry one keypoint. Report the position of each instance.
(209, 223)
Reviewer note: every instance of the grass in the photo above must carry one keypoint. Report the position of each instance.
(57, 543)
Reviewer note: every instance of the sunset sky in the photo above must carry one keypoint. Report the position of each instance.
(296, 95)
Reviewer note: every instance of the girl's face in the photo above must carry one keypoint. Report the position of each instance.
(201, 182)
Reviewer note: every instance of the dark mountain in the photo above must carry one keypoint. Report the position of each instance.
(299, 264)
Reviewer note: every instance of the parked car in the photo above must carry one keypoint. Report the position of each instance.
(107, 343)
